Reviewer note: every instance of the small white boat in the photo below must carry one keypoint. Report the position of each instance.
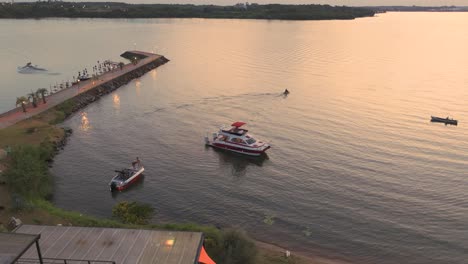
(237, 140)
(29, 68)
(125, 177)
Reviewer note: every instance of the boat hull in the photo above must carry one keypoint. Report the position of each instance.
(30, 70)
(237, 140)
(128, 184)
(113, 186)
(444, 120)
(245, 151)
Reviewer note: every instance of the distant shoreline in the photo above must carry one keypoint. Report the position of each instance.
(382, 9)
(124, 10)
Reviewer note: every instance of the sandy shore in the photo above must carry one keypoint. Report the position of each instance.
(303, 257)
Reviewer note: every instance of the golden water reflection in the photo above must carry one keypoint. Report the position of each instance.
(116, 99)
(153, 74)
(137, 87)
(85, 126)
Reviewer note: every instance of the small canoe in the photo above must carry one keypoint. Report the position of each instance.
(446, 120)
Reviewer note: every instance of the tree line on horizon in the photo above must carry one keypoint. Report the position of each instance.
(123, 10)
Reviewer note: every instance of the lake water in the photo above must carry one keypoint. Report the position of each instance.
(356, 170)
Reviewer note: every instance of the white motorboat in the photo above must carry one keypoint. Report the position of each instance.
(29, 68)
(237, 139)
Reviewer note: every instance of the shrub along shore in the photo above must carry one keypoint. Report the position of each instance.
(123, 10)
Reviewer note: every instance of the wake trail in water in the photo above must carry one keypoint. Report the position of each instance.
(211, 100)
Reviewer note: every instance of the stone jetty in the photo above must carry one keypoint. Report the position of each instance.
(90, 90)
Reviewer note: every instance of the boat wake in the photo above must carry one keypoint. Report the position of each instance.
(210, 100)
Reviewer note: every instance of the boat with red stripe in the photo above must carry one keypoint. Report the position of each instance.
(126, 177)
(236, 139)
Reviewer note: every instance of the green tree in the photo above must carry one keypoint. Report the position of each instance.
(133, 212)
(43, 92)
(33, 97)
(237, 248)
(22, 101)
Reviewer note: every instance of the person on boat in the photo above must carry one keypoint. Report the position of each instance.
(136, 162)
(286, 92)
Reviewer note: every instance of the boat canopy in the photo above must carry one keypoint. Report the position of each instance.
(204, 258)
(238, 124)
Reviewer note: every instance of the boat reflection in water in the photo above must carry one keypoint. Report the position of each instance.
(238, 163)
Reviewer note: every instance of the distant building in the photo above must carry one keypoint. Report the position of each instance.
(242, 5)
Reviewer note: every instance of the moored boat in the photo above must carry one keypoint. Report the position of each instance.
(29, 68)
(84, 77)
(446, 120)
(126, 177)
(236, 139)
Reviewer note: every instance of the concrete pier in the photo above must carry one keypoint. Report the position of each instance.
(145, 62)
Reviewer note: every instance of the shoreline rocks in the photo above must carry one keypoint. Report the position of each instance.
(84, 99)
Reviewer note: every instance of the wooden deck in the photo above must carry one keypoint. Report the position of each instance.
(12, 246)
(114, 244)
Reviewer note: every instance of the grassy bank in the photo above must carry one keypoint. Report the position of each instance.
(27, 184)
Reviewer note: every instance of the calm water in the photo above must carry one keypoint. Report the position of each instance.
(356, 169)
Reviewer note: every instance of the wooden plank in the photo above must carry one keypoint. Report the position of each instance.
(187, 253)
(134, 254)
(83, 243)
(110, 246)
(99, 245)
(60, 243)
(126, 246)
(31, 252)
(14, 245)
(76, 244)
(171, 250)
(49, 236)
(152, 249)
(92, 250)
(7, 258)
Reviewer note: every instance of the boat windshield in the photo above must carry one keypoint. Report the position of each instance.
(250, 141)
(123, 175)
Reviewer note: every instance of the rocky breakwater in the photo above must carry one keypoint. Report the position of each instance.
(94, 94)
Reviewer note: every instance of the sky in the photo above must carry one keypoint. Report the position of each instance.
(331, 2)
